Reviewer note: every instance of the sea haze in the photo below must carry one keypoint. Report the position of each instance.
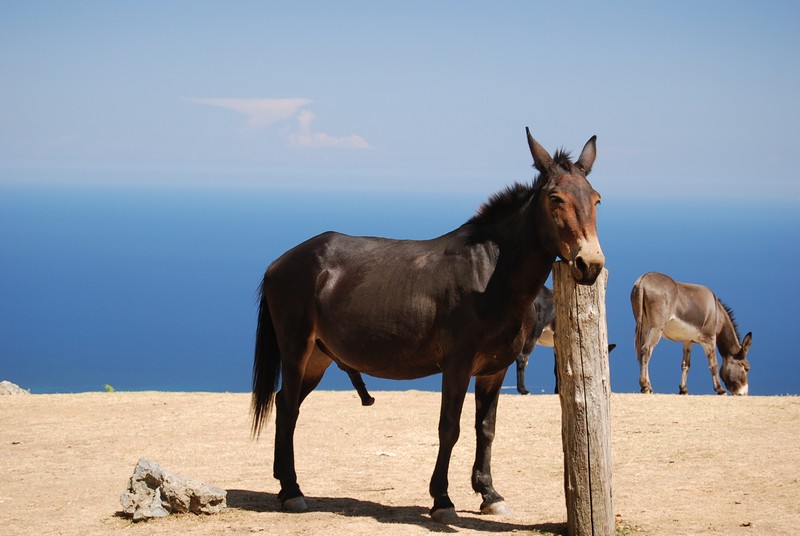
(155, 289)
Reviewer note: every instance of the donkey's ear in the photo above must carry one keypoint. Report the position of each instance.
(746, 343)
(586, 160)
(541, 158)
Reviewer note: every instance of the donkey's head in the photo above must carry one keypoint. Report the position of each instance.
(568, 203)
(736, 367)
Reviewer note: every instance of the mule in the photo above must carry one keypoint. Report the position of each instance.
(458, 305)
(689, 314)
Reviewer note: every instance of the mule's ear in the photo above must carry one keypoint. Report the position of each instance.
(746, 343)
(586, 160)
(541, 158)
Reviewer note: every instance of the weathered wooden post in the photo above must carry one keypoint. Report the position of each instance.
(581, 344)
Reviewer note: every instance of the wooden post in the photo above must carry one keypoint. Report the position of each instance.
(581, 344)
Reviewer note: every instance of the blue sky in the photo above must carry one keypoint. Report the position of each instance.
(688, 99)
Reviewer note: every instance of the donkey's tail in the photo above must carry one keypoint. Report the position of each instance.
(637, 303)
(266, 366)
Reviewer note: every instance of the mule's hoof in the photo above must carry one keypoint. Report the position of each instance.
(647, 391)
(446, 516)
(295, 504)
(367, 401)
(499, 508)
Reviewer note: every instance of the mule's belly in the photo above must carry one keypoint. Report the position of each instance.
(401, 347)
(382, 343)
(680, 331)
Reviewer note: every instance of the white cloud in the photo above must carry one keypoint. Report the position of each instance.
(306, 138)
(264, 112)
(260, 112)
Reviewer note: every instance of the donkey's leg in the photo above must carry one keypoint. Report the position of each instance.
(555, 369)
(487, 392)
(644, 373)
(711, 354)
(687, 362)
(454, 388)
(522, 362)
(644, 351)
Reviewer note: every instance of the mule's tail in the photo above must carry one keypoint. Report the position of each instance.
(637, 303)
(266, 365)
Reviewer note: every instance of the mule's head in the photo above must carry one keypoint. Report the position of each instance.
(736, 367)
(568, 206)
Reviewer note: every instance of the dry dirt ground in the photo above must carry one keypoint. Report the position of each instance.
(682, 465)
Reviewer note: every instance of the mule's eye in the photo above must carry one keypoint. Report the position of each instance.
(556, 200)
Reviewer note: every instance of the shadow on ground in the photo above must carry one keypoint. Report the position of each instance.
(257, 501)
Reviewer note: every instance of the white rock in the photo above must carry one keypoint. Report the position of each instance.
(156, 492)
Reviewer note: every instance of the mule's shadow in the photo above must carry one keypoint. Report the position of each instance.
(258, 501)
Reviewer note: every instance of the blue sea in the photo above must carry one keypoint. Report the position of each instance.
(155, 288)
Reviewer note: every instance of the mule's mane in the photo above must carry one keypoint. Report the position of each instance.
(513, 197)
(733, 320)
(504, 203)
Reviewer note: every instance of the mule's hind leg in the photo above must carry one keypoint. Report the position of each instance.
(487, 391)
(687, 362)
(300, 377)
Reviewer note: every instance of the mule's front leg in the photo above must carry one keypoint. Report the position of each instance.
(454, 390)
(487, 393)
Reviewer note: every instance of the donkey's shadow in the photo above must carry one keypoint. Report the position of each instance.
(258, 501)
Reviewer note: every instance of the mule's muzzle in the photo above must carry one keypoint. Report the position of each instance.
(585, 267)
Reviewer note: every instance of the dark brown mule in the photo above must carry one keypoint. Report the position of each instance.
(689, 314)
(459, 305)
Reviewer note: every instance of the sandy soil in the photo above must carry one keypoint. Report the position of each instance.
(682, 465)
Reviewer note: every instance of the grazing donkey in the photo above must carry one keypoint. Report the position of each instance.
(689, 314)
